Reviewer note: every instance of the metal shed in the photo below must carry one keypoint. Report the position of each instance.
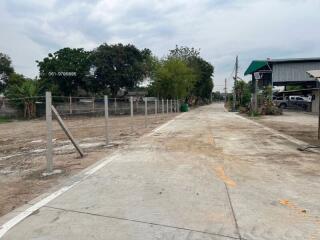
(282, 72)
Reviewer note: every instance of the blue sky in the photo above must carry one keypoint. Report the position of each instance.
(222, 29)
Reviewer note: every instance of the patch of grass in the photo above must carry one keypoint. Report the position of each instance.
(4, 120)
(254, 114)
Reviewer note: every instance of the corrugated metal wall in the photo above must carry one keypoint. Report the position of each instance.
(293, 72)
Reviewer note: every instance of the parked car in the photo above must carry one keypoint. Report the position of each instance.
(300, 98)
(298, 102)
(281, 102)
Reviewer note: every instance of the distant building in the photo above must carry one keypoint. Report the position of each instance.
(285, 72)
(136, 95)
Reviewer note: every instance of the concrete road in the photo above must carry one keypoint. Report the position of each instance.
(208, 174)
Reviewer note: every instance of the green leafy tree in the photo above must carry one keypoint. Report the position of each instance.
(16, 79)
(118, 66)
(23, 95)
(203, 69)
(294, 87)
(6, 70)
(173, 78)
(65, 71)
(184, 53)
(204, 84)
(217, 96)
(150, 63)
(243, 93)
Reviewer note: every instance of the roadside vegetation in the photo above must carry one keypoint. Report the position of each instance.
(244, 92)
(4, 119)
(108, 69)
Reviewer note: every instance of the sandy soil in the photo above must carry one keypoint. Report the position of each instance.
(303, 126)
(23, 144)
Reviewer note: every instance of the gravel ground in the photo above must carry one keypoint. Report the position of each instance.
(23, 144)
(303, 126)
(209, 174)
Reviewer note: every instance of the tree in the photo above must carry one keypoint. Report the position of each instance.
(173, 78)
(294, 87)
(5, 71)
(184, 53)
(204, 84)
(203, 69)
(65, 71)
(23, 95)
(15, 79)
(217, 96)
(243, 93)
(150, 63)
(118, 66)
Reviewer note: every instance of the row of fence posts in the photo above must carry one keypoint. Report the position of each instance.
(174, 107)
(171, 102)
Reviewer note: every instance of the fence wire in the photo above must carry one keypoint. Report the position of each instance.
(84, 117)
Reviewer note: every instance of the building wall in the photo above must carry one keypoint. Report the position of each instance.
(293, 72)
(6, 110)
(315, 102)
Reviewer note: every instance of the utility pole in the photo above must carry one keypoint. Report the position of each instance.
(235, 83)
(225, 90)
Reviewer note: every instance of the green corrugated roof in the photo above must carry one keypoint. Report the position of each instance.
(255, 65)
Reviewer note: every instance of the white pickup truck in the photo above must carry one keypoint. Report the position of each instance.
(293, 102)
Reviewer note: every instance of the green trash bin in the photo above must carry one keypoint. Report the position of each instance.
(184, 107)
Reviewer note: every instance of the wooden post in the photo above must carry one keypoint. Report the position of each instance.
(115, 105)
(171, 106)
(49, 132)
(167, 106)
(106, 115)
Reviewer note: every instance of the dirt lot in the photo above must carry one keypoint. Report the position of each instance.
(303, 126)
(210, 174)
(23, 144)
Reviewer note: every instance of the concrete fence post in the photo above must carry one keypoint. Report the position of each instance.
(93, 106)
(162, 106)
(156, 107)
(49, 132)
(131, 112)
(66, 131)
(70, 104)
(176, 108)
(106, 116)
(167, 106)
(171, 106)
(145, 111)
(176, 105)
(137, 106)
(115, 105)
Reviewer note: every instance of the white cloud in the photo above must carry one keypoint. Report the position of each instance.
(222, 29)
